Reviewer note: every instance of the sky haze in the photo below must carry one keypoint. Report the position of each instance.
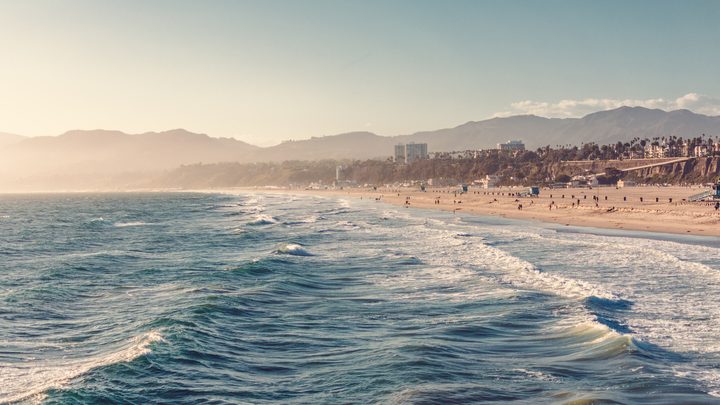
(265, 71)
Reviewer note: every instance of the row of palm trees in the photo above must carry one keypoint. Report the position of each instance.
(665, 146)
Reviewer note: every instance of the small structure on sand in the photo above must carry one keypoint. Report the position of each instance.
(712, 194)
(625, 183)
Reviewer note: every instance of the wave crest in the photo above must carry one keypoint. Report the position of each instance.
(263, 220)
(22, 382)
(293, 249)
(131, 223)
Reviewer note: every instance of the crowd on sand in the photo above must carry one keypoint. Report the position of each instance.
(658, 209)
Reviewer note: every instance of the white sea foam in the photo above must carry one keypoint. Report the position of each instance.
(440, 283)
(127, 224)
(293, 249)
(96, 253)
(394, 214)
(311, 219)
(262, 219)
(251, 201)
(523, 274)
(29, 381)
(446, 247)
(673, 287)
(538, 375)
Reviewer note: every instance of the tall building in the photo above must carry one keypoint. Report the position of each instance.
(511, 146)
(415, 151)
(408, 153)
(399, 153)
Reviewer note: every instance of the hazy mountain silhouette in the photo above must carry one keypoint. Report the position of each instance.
(9, 139)
(360, 145)
(601, 127)
(625, 123)
(101, 157)
(111, 150)
(98, 157)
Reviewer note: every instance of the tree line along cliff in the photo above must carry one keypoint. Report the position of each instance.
(521, 169)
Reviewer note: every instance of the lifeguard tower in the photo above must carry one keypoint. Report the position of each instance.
(533, 191)
(712, 194)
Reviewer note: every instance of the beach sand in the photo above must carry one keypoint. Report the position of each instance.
(615, 208)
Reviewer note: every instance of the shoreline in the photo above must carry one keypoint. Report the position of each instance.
(642, 208)
(619, 209)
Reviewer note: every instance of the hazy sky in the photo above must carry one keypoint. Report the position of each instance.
(263, 71)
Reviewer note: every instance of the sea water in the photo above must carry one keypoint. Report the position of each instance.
(261, 298)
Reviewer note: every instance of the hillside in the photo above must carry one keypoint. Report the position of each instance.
(9, 139)
(102, 158)
(604, 127)
(364, 145)
(97, 158)
(525, 169)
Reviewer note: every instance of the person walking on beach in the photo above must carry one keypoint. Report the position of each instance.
(717, 206)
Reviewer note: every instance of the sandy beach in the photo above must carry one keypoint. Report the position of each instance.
(654, 209)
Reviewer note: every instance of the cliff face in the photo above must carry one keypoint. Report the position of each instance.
(597, 166)
(510, 170)
(690, 171)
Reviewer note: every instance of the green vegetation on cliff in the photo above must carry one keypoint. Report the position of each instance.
(522, 169)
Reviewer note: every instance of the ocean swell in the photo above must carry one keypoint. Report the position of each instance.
(25, 381)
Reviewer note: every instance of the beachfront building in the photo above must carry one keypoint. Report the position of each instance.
(399, 153)
(654, 151)
(442, 182)
(410, 152)
(511, 146)
(415, 151)
(701, 150)
(490, 181)
(338, 173)
(625, 183)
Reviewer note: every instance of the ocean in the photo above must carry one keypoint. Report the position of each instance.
(191, 298)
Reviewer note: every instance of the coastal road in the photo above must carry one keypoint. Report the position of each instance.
(683, 159)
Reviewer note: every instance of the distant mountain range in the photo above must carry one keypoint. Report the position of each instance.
(602, 127)
(100, 158)
(108, 154)
(9, 139)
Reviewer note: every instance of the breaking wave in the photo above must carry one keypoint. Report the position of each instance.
(293, 249)
(26, 381)
(127, 224)
(263, 220)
